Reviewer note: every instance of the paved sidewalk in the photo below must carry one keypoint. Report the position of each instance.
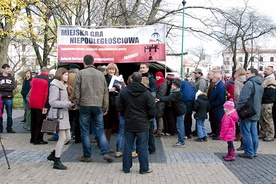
(195, 163)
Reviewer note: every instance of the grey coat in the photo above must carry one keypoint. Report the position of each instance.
(253, 95)
(58, 100)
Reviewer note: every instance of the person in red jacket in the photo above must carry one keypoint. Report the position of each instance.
(39, 105)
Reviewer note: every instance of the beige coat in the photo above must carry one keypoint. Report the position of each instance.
(58, 100)
(238, 84)
(91, 89)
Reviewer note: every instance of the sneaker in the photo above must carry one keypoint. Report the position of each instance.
(204, 138)
(178, 145)
(83, 159)
(198, 140)
(73, 138)
(134, 154)
(52, 139)
(118, 154)
(167, 134)
(146, 172)
(245, 156)
(108, 158)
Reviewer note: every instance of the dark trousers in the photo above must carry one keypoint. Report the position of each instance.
(36, 124)
(75, 124)
(212, 122)
(169, 121)
(274, 116)
(188, 118)
(151, 138)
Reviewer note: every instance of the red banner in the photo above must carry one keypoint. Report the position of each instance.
(143, 44)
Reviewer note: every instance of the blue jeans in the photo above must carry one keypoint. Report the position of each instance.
(142, 148)
(180, 128)
(8, 104)
(86, 114)
(250, 136)
(121, 135)
(201, 132)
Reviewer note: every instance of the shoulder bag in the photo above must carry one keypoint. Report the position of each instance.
(50, 125)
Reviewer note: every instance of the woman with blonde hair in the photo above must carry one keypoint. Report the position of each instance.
(238, 85)
(111, 118)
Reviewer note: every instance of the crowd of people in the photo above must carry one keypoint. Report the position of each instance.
(88, 101)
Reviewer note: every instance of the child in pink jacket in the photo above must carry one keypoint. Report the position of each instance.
(227, 130)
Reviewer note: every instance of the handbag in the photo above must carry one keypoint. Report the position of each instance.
(247, 110)
(50, 126)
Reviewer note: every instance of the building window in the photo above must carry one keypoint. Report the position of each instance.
(261, 59)
(252, 58)
(48, 61)
(23, 60)
(261, 68)
(271, 59)
(240, 59)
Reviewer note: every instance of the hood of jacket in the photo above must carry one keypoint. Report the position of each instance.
(136, 88)
(234, 115)
(59, 84)
(202, 96)
(256, 79)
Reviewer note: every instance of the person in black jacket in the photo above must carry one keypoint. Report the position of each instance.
(25, 90)
(7, 85)
(201, 107)
(137, 105)
(179, 109)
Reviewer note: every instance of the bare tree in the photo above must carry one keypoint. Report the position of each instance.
(232, 28)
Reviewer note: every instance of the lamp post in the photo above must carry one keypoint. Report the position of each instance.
(182, 44)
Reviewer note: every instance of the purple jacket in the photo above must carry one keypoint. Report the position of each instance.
(227, 129)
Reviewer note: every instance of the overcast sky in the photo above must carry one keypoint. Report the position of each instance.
(265, 7)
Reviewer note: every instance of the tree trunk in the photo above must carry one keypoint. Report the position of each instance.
(4, 46)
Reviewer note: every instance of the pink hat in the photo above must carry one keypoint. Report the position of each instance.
(229, 105)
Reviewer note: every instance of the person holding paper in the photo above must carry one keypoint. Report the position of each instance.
(114, 85)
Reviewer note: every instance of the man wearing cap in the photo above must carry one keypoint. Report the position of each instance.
(200, 83)
(179, 108)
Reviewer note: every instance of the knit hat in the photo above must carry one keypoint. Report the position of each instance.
(170, 77)
(229, 105)
(160, 74)
(177, 82)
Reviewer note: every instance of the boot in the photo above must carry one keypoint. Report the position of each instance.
(231, 155)
(238, 137)
(51, 157)
(227, 155)
(241, 146)
(58, 164)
